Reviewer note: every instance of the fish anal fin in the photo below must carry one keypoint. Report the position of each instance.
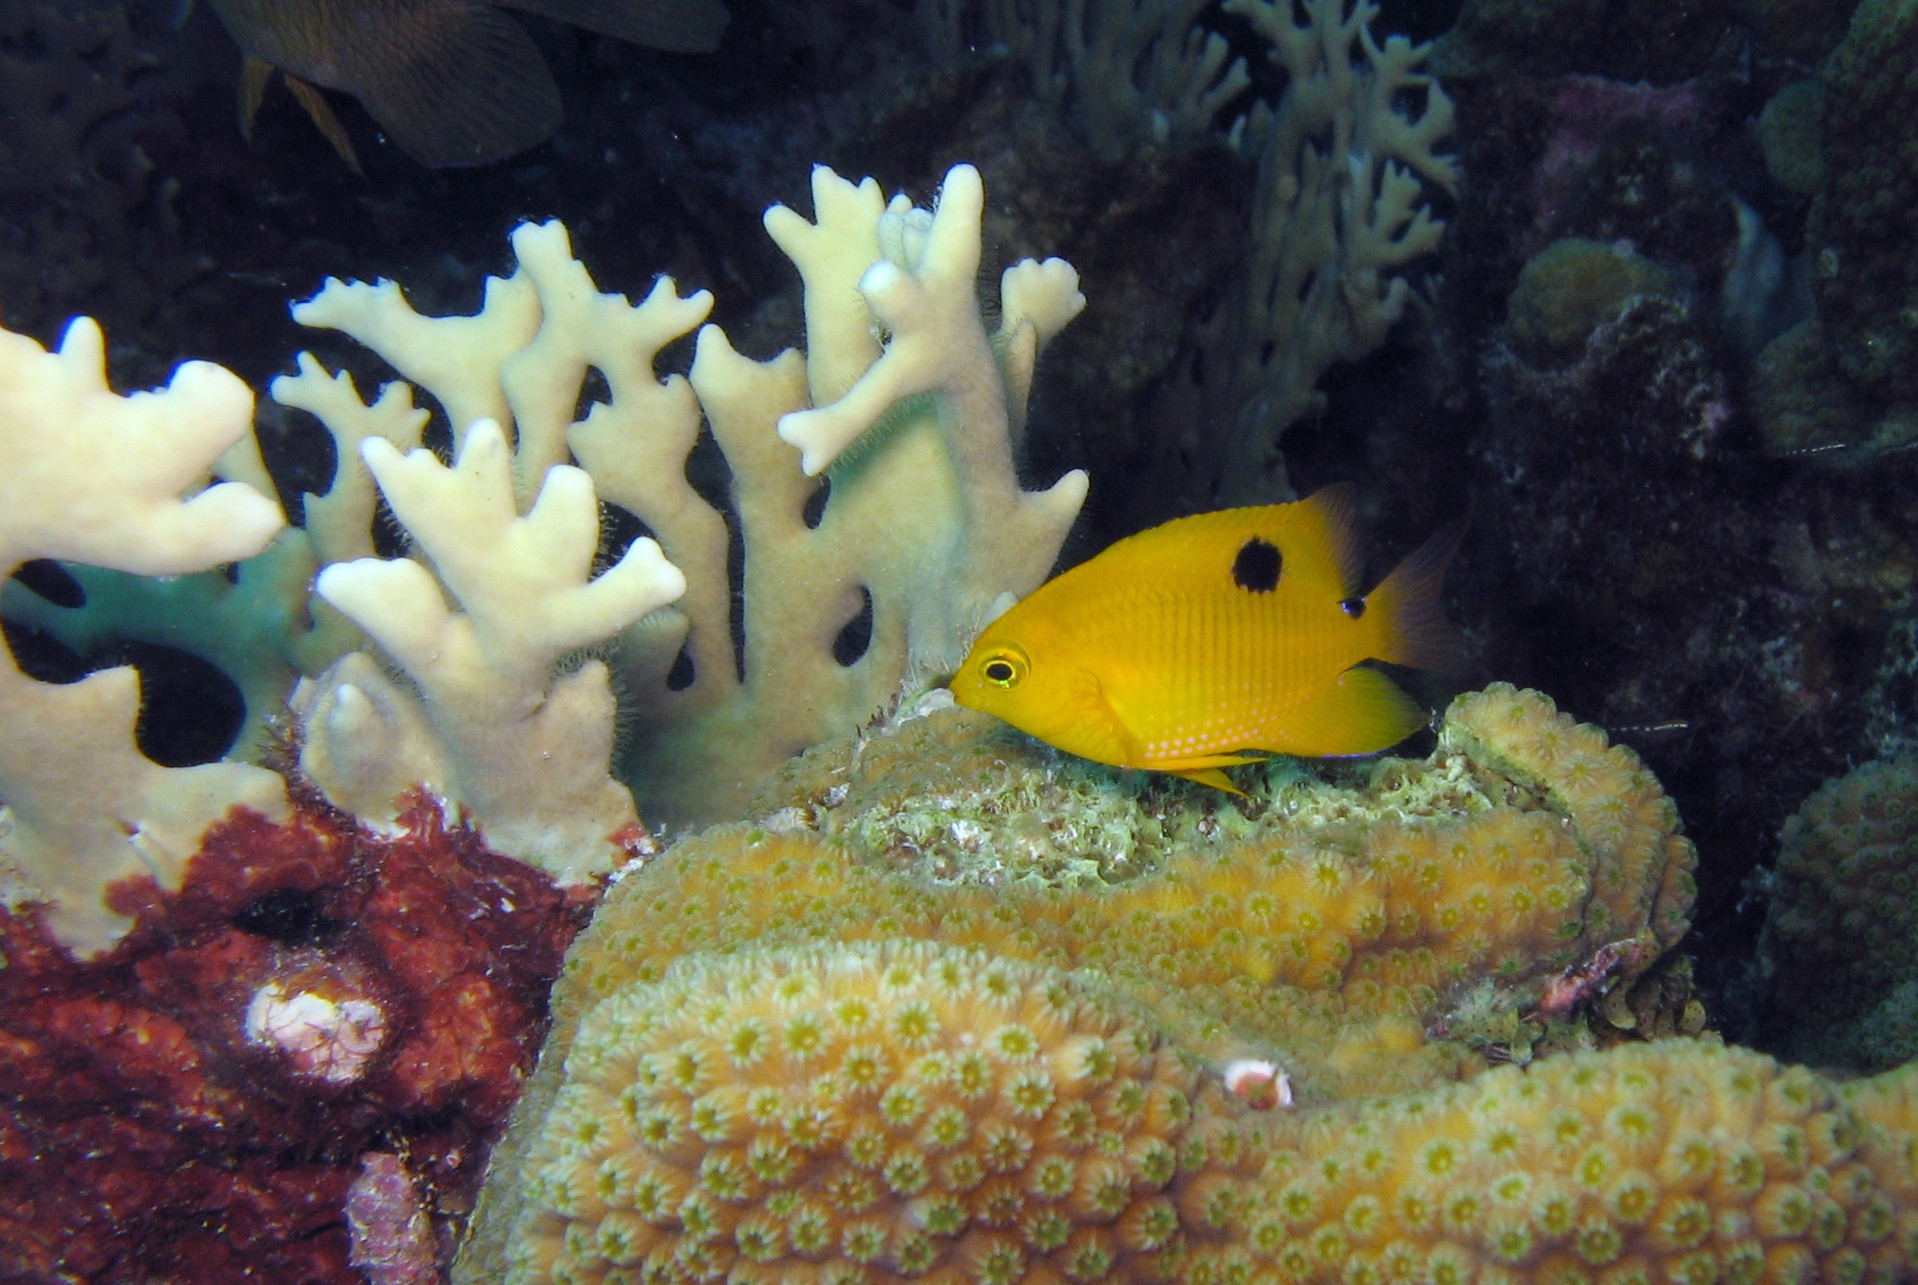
(328, 124)
(1200, 762)
(1206, 769)
(255, 74)
(461, 85)
(1361, 713)
(1214, 777)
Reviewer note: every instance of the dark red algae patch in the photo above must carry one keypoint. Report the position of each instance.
(198, 1104)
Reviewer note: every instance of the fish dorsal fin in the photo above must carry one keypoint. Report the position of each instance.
(255, 75)
(1324, 533)
(1315, 538)
(678, 26)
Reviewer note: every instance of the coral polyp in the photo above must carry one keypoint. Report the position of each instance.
(897, 1108)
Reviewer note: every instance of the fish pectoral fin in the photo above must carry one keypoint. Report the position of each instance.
(328, 124)
(1362, 712)
(1101, 734)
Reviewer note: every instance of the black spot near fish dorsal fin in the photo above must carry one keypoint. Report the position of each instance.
(1256, 567)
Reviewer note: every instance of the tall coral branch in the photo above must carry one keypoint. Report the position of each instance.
(1128, 73)
(525, 748)
(117, 482)
(913, 413)
(1348, 164)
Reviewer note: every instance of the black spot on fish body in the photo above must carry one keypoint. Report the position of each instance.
(1353, 607)
(1256, 568)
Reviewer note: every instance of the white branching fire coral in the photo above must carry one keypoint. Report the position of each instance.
(926, 530)
(484, 666)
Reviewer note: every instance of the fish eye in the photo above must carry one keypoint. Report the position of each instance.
(1003, 668)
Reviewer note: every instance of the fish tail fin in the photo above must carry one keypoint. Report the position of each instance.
(1412, 628)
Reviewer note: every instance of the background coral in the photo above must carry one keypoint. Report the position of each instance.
(1837, 955)
(1867, 280)
(1643, 544)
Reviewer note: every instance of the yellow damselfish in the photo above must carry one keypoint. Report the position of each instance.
(1182, 647)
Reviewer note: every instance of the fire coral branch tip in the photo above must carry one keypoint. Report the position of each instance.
(921, 294)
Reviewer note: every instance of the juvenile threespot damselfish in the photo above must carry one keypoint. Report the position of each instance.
(1183, 647)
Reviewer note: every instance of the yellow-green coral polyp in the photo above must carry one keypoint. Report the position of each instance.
(1075, 1106)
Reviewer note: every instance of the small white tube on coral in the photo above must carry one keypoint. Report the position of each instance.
(1263, 1085)
(325, 1039)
